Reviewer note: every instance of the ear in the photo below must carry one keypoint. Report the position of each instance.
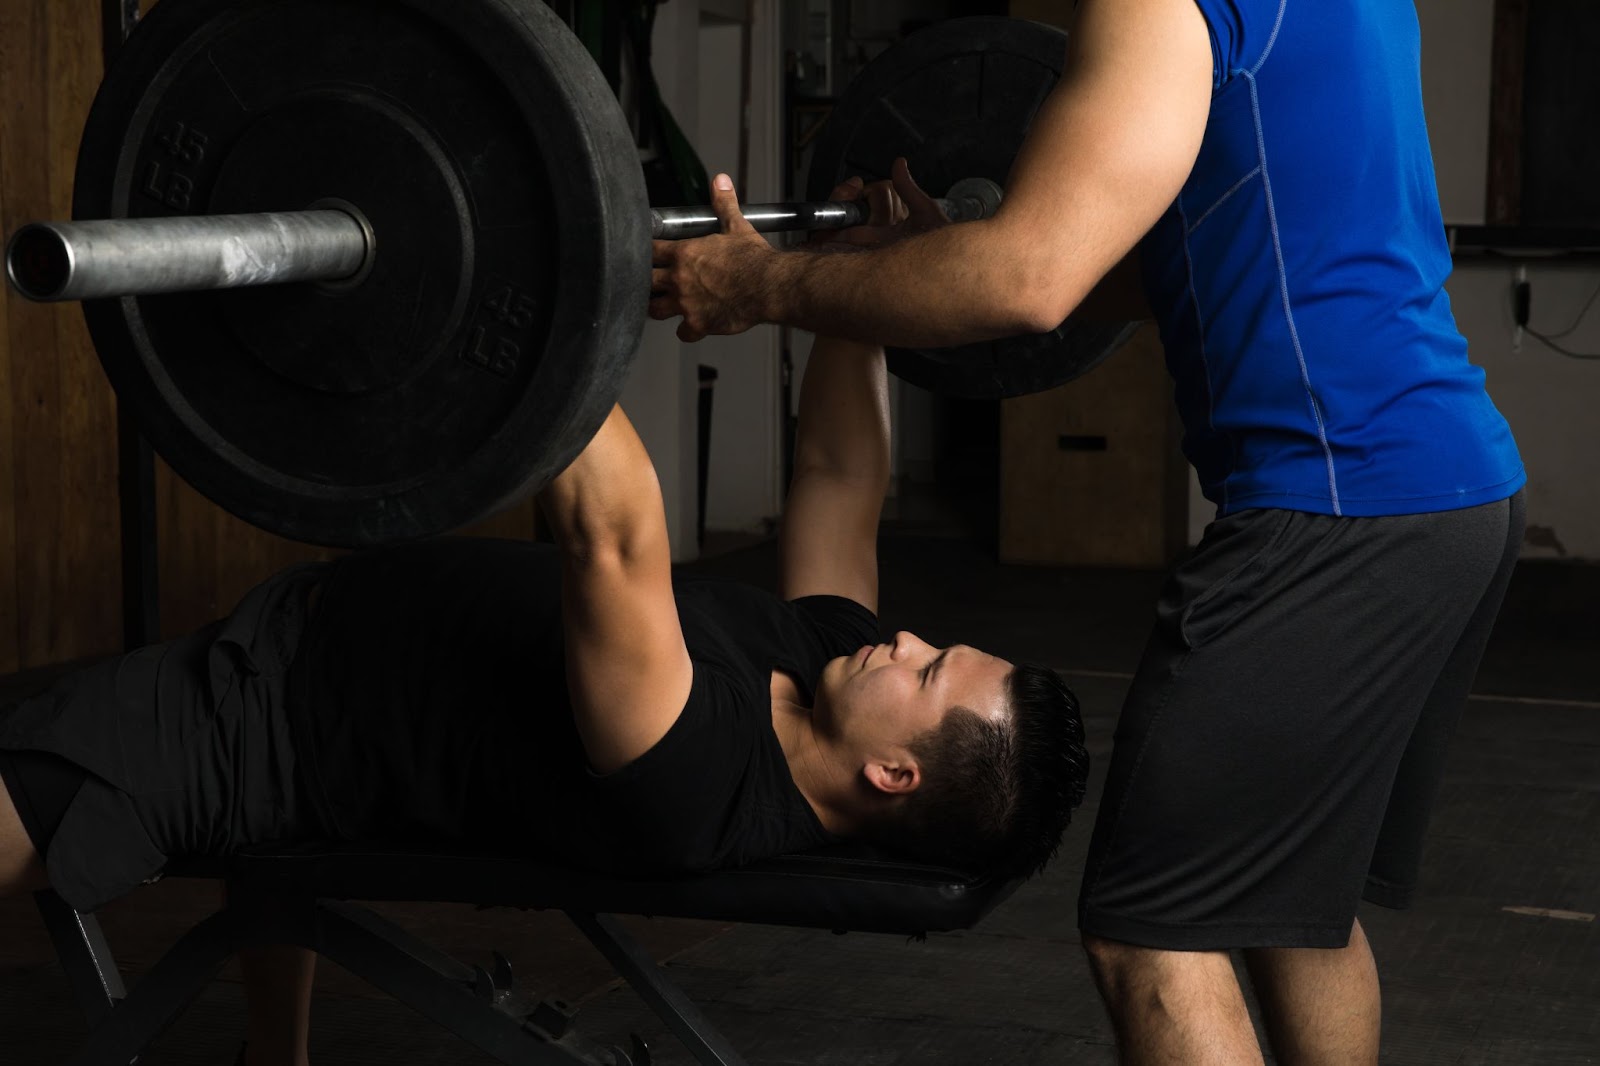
(894, 779)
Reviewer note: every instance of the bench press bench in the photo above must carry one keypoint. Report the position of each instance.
(303, 897)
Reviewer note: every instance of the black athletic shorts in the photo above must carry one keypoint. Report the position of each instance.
(1284, 737)
(42, 787)
(182, 748)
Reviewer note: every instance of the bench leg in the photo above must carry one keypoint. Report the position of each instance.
(85, 956)
(129, 1025)
(436, 986)
(670, 1003)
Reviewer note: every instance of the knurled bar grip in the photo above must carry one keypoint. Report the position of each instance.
(50, 261)
(969, 200)
(680, 223)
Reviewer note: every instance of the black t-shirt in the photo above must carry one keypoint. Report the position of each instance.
(430, 690)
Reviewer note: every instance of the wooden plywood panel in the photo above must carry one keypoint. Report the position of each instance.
(88, 552)
(17, 131)
(30, 330)
(60, 444)
(1090, 473)
(10, 659)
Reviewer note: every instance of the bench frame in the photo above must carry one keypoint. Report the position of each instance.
(469, 1001)
(303, 899)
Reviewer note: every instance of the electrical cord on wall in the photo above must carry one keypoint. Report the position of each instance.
(1522, 310)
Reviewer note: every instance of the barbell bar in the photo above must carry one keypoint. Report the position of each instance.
(60, 261)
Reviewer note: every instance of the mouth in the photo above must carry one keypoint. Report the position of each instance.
(860, 658)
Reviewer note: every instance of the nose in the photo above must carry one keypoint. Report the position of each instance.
(907, 643)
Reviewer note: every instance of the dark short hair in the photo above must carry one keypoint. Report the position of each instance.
(997, 795)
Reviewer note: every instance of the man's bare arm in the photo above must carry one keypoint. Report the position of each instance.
(1107, 154)
(841, 473)
(627, 668)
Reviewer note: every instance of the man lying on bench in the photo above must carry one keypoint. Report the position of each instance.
(575, 702)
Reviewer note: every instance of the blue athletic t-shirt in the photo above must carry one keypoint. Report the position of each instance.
(1299, 278)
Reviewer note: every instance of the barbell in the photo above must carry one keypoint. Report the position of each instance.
(59, 261)
(366, 272)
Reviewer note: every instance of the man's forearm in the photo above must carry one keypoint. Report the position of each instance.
(954, 285)
(844, 413)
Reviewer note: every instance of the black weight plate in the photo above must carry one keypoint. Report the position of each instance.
(956, 99)
(503, 306)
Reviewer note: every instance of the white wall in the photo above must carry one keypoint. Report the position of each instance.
(660, 394)
(697, 67)
(1457, 39)
(746, 461)
(1551, 401)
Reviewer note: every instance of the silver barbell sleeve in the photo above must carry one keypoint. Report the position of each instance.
(50, 261)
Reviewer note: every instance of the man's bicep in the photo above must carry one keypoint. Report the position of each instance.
(830, 539)
(1113, 144)
(628, 670)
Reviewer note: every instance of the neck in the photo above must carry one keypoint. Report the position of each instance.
(821, 776)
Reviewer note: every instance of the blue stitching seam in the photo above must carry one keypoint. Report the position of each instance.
(1283, 5)
(1283, 284)
(1241, 183)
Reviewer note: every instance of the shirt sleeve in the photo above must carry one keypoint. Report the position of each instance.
(1241, 32)
(714, 789)
(667, 810)
(841, 625)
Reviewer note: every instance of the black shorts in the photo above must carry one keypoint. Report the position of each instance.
(42, 787)
(183, 748)
(1284, 738)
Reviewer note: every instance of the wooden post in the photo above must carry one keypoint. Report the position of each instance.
(1504, 207)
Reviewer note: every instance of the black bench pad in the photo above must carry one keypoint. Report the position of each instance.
(844, 887)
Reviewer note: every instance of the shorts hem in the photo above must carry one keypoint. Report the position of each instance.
(11, 781)
(1387, 894)
(102, 849)
(1213, 936)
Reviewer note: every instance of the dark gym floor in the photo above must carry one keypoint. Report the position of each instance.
(1499, 963)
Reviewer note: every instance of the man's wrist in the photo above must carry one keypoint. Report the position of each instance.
(778, 284)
